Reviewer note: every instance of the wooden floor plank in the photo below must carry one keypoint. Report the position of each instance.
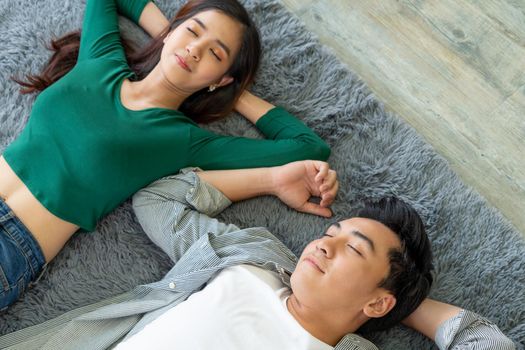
(448, 70)
(508, 14)
(468, 33)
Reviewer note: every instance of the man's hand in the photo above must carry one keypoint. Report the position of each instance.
(295, 183)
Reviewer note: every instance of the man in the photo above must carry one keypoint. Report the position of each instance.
(236, 288)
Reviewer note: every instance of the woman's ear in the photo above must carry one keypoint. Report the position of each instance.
(380, 306)
(225, 81)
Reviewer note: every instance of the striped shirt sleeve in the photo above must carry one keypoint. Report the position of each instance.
(177, 210)
(468, 330)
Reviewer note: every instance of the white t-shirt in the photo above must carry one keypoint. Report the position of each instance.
(243, 307)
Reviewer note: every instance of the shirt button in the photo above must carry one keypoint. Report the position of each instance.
(172, 285)
(191, 190)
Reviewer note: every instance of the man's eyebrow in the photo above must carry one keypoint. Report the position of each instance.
(221, 44)
(358, 234)
(364, 238)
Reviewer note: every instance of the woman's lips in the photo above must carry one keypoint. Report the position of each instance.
(182, 63)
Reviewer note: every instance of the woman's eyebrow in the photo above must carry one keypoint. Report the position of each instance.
(221, 44)
(199, 22)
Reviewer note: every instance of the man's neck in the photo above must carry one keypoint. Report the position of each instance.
(327, 328)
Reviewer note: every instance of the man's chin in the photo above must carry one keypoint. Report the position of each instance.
(304, 282)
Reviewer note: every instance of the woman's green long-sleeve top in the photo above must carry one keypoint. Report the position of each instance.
(83, 153)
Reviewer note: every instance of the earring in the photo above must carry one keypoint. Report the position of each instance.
(212, 88)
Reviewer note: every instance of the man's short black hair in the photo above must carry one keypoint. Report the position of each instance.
(410, 277)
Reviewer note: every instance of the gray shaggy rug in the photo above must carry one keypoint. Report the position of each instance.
(479, 256)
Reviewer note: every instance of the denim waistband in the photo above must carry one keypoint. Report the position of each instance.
(27, 243)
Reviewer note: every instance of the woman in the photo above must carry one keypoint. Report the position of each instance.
(102, 128)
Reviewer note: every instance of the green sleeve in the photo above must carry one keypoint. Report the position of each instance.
(288, 140)
(100, 30)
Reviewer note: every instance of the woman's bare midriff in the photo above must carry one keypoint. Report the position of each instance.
(50, 231)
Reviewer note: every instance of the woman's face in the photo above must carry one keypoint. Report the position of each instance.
(200, 51)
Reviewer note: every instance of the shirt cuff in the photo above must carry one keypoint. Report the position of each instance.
(448, 330)
(468, 327)
(202, 196)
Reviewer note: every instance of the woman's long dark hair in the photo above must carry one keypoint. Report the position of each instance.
(202, 106)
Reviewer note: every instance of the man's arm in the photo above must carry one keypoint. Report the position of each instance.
(454, 328)
(294, 183)
(175, 211)
(152, 20)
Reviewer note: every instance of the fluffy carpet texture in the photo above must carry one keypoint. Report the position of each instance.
(479, 256)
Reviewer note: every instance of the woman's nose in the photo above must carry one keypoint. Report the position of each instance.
(194, 52)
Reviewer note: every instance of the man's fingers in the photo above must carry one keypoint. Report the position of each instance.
(322, 171)
(316, 209)
(328, 197)
(330, 186)
(329, 181)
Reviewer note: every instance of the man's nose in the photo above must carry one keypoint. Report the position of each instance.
(325, 247)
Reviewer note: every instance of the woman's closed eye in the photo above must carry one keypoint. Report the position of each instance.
(192, 31)
(214, 54)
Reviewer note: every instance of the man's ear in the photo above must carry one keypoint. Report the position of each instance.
(380, 306)
(225, 81)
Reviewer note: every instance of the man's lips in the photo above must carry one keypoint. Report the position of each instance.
(182, 63)
(313, 261)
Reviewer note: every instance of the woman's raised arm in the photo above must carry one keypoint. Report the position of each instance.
(152, 20)
(252, 107)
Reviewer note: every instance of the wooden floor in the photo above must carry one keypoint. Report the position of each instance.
(453, 69)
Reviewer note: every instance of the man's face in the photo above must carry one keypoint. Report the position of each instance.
(342, 269)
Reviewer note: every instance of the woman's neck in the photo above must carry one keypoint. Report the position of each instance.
(154, 91)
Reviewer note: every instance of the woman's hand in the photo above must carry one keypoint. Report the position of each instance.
(295, 183)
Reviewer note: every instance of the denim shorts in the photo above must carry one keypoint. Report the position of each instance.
(21, 259)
